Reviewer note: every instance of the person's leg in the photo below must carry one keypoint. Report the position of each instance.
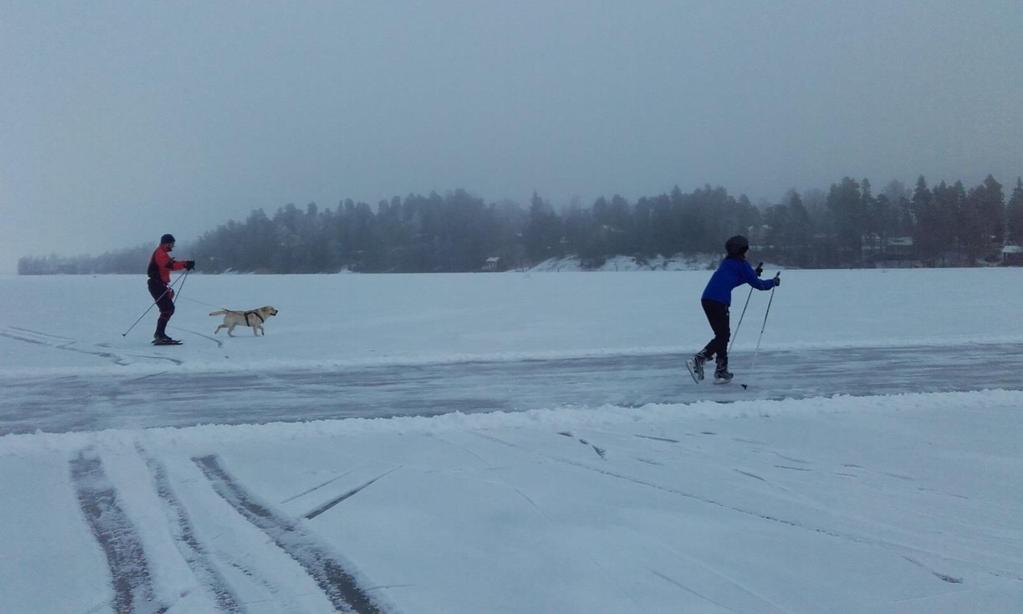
(166, 305)
(717, 316)
(164, 298)
(721, 371)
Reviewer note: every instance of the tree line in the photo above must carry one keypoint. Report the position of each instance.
(847, 226)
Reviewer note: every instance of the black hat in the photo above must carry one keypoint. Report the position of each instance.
(737, 245)
(167, 238)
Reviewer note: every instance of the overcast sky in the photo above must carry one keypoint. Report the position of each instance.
(120, 121)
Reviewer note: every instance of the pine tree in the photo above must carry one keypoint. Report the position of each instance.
(927, 235)
(845, 201)
(543, 231)
(1014, 213)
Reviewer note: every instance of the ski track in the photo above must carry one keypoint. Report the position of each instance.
(751, 475)
(664, 439)
(897, 548)
(317, 487)
(762, 604)
(284, 601)
(338, 584)
(116, 536)
(601, 452)
(219, 343)
(937, 574)
(671, 580)
(648, 461)
(329, 504)
(65, 343)
(185, 538)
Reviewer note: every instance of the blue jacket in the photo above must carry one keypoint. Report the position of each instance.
(732, 273)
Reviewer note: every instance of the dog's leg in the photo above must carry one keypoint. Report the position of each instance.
(218, 329)
(229, 329)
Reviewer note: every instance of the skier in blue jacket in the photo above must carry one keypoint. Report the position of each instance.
(717, 297)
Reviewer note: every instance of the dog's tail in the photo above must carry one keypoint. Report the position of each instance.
(218, 313)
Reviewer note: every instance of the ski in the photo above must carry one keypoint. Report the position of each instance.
(166, 342)
(691, 367)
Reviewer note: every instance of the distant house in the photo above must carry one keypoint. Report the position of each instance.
(893, 252)
(1012, 255)
(492, 264)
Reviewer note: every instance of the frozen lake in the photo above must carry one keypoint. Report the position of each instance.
(524, 443)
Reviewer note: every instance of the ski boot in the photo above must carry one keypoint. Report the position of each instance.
(721, 373)
(164, 340)
(695, 366)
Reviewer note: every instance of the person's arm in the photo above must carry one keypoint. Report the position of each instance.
(749, 276)
(164, 260)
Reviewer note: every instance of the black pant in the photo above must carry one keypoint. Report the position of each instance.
(164, 298)
(717, 315)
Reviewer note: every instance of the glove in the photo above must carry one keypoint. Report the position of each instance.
(777, 280)
(759, 269)
(189, 265)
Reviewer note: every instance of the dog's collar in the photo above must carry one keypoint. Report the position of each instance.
(255, 313)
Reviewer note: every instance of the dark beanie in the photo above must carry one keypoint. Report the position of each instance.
(167, 238)
(737, 245)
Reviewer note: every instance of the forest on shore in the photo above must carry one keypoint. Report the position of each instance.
(849, 225)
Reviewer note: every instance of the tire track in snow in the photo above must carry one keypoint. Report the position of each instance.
(185, 539)
(337, 583)
(116, 535)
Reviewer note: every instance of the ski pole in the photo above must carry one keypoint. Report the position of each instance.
(759, 269)
(741, 316)
(181, 288)
(125, 333)
(766, 313)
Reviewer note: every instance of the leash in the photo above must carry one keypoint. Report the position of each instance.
(207, 304)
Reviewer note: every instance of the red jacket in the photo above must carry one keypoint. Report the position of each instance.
(161, 264)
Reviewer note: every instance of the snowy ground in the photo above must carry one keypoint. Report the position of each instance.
(873, 464)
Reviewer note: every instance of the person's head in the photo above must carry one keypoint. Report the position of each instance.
(167, 242)
(737, 246)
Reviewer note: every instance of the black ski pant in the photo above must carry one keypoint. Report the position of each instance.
(164, 298)
(717, 315)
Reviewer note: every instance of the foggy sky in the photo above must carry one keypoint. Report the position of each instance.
(120, 121)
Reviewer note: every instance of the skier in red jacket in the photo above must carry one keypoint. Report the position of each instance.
(160, 265)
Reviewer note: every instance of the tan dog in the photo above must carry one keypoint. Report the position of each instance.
(253, 318)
